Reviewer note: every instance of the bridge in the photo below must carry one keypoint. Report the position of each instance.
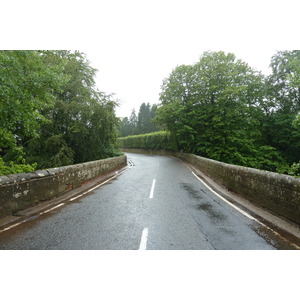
(151, 202)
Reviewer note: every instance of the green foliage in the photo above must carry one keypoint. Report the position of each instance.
(50, 110)
(125, 127)
(145, 119)
(161, 140)
(218, 108)
(51, 113)
(296, 122)
(295, 169)
(12, 168)
(283, 96)
(268, 158)
(27, 84)
(50, 152)
(209, 107)
(284, 82)
(280, 131)
(83, 125)
(143, 123)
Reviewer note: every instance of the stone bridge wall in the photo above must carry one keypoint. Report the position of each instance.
(276, 192)
(19, 191)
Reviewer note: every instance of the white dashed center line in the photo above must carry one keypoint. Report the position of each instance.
(152, 189)
(144, 238)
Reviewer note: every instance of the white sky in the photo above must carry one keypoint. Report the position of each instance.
(136, 44)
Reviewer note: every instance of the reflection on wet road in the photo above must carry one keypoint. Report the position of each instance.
(156, 204)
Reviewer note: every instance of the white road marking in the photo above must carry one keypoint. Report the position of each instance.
(144, 238)
(243, 212)
(12, 226)
(54, 207)
(152, 189)
(74, 198)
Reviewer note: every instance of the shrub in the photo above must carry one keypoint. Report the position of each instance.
(161, 140)
(13, 168)
(295, 170)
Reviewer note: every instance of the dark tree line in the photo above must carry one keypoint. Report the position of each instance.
(223, 109)
(141, 123)
(51, 113)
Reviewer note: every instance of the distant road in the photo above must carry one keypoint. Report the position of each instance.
(156, 204)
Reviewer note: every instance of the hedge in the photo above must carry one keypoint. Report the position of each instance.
(161, 140)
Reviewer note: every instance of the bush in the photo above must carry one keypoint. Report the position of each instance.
(295, 170)
(161, 140)
(13, 168)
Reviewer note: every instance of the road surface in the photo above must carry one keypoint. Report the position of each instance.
(156, 204)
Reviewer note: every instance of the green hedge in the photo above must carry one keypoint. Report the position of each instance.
(161, 140)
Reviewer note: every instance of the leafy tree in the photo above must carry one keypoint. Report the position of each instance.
(128, 126)
(83, 125)
(284, 82)
(27, 87)
(124, 127)
(141, 123)
(152, 125)
(283, 96)
(213, 109)
(145, 119)
(133, 120)
(51, 112)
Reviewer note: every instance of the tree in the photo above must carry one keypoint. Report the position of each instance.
(284, 82)
(142, 123)
(133, 122)
(124, 127)
(27, 87)
(212, 108)
(82, 123)
(283, 95)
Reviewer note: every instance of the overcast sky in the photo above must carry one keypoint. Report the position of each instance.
(136, 44)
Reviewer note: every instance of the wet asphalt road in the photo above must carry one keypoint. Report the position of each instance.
(156, 204)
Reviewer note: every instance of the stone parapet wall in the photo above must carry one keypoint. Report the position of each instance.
(276, 192)
(19, 191)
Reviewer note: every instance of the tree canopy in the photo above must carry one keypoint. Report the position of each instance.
(141, 123)
(51, 112)
(223, 109)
